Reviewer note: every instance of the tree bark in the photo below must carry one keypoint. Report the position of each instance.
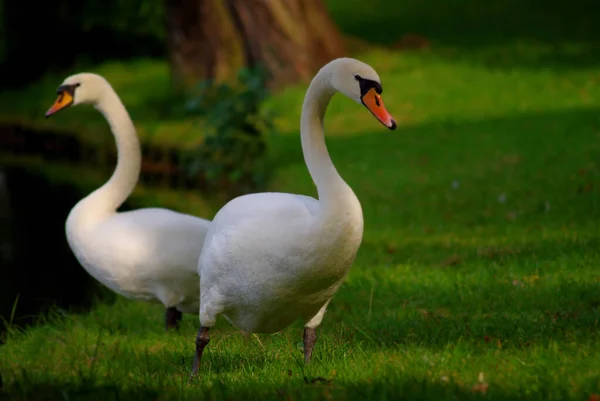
(213, 39)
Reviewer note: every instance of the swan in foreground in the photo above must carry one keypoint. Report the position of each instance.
(271, 258)
(146, 254)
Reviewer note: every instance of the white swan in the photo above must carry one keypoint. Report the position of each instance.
(271, 258)
(146, 254)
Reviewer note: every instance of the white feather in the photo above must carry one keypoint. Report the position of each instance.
(146, 254)
(271, 258)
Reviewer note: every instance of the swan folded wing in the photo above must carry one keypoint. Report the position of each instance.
(151, 245)
(265, 206)
(263, 241)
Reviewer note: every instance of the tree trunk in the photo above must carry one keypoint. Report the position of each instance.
(213, 39)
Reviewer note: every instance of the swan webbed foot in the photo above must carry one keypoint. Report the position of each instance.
(172, 318)
(310, 338)
(202, 340)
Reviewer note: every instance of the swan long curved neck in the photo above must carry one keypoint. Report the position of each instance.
(125, 176)
(330, 185)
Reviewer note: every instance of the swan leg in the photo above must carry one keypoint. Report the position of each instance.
(202, 340)
(310, 332)
(210, 308)
(172, 318)
(310, 338)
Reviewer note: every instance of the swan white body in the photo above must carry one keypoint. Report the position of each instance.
(146, 254)
(288, 264)
(271, 258)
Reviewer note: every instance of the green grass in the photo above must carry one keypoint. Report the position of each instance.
(480, 255)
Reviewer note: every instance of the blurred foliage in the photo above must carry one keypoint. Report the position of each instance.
(143, 18)
(86, 33)
(231, 158)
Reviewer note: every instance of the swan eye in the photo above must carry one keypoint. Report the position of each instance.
(357, 77)
(69, 88)
(368, 84)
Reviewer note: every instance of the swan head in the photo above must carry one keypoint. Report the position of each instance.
(77, 89)
(360, 82)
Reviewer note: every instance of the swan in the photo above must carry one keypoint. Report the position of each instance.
(271, 258)
(148, 254)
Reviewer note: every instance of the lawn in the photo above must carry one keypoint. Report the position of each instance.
(479, 273)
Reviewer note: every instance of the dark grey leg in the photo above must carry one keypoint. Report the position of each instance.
(310, 338)
(172, 318)
(202, 340)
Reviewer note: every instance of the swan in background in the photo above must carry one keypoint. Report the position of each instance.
(146, 254)
(271, 258)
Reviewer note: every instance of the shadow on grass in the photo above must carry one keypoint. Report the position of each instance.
(501, 34)
(392, 387)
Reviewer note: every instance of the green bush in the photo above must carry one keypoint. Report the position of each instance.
(231, 159)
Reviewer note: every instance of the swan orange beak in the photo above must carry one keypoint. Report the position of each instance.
(64, 100)
(373, 101)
